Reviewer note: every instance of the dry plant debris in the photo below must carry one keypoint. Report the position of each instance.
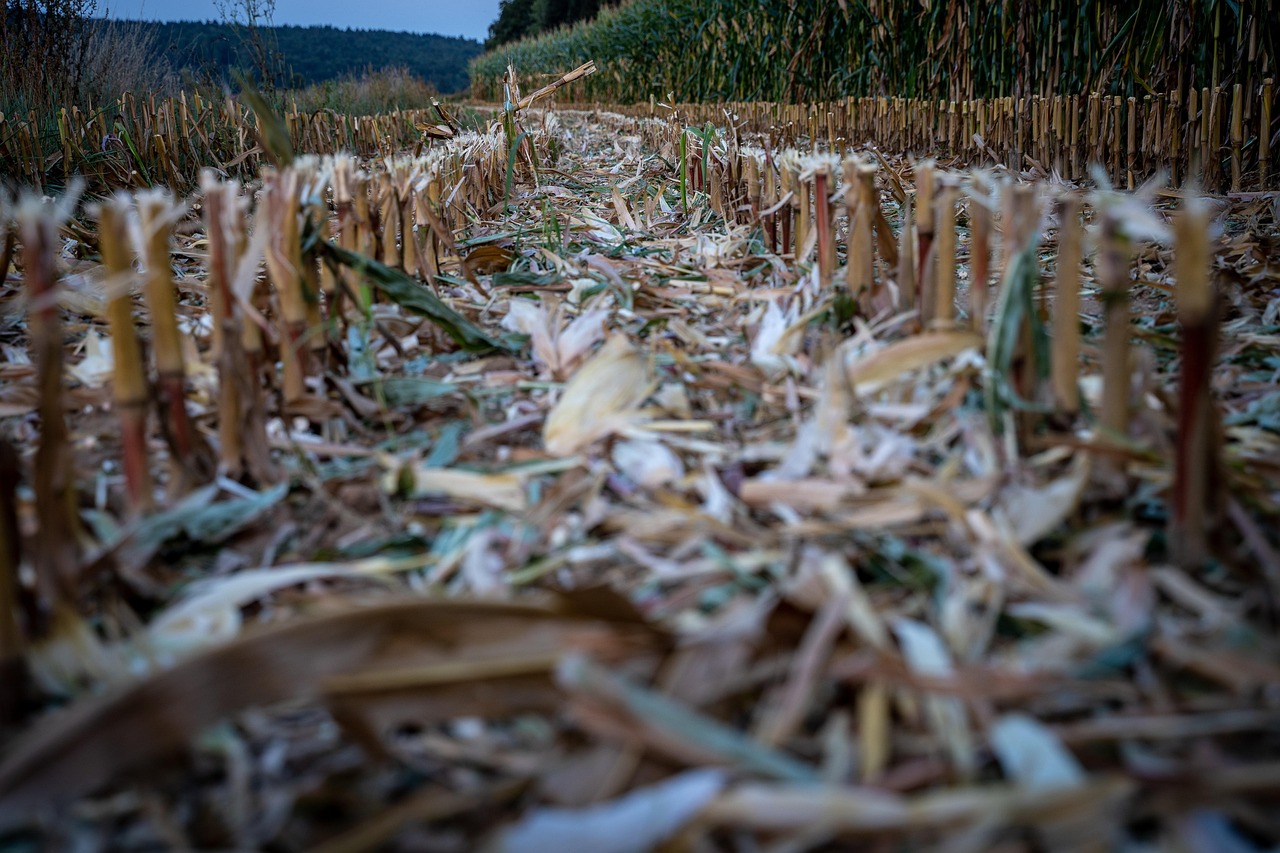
(655, 488)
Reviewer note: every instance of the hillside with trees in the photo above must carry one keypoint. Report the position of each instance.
(314, 54)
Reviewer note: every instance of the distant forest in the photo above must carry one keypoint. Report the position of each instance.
(315, 54)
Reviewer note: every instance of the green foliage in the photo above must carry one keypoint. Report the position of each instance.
(813, 50)
(514, 21)
(519, 18)
(1015, 310)
(41, 45)
(370, 93)
(411, 295)
(251, 21)
(272, 132)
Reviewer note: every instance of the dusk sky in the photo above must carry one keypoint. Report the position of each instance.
(469, 18)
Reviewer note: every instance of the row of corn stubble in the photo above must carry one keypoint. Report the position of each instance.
(404, 213)
(1014, 227)
(326, 231)
(1219, 139)
(132, 141)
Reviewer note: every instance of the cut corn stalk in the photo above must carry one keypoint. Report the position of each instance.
(131, 393)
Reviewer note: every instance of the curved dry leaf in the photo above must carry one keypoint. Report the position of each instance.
(81, 748)
(601, 398)
(1033, 513)
(210, 612)
(634, 823)
(647, 463)
(776, 340)
(872, 371)
(98, 363)
(926, 654)
(526, 317)
(1032, 755)
(779, 808)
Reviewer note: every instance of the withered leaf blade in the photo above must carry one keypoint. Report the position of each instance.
(94, 741)
(601, 398)
(412, 295)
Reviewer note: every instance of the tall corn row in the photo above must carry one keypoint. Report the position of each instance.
(962, 49)
(1223, 147)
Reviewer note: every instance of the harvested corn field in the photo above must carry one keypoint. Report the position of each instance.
(606, 482)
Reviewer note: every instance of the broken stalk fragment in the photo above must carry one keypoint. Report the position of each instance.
(752, 178)
(231, 354)
(1065, 361)
(366, 225)
(13, 670)
(387, 204)
(944, 309)
(822, 211)
(1022, 219)
(284, 264)
(907, 293)
(925, 300)
(979, 260)
(770, 202)
(240, 368)
(1113, 274)
(804, 217)
(869, 203)
(408, 246)
(858, 262)
(344, 177)
(1264, 136)
(156, 212)
(1237, 135)
(787, 200)
(312, 206)
(55, 551)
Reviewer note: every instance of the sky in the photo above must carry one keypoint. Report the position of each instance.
(468, 18)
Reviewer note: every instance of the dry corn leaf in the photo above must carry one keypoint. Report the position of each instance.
(1033, 513)
(869, 372)
(489, 259)
(804, 494)
(779, 808)
(637, 822)
(98, 363)
(926, 654)
(209, 612)
(82, 747)
(500, 491)
(1032, 755)
(647, 463)
(603, 397)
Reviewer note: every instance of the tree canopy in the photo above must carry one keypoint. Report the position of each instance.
(520, 18)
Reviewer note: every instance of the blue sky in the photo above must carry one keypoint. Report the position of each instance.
(470, 18)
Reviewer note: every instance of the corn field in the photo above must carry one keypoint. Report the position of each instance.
(835, 471)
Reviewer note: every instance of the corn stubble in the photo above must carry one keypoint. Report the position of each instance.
(705, 407)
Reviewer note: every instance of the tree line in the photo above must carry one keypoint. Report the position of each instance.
(314, 54)
(520, 18)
